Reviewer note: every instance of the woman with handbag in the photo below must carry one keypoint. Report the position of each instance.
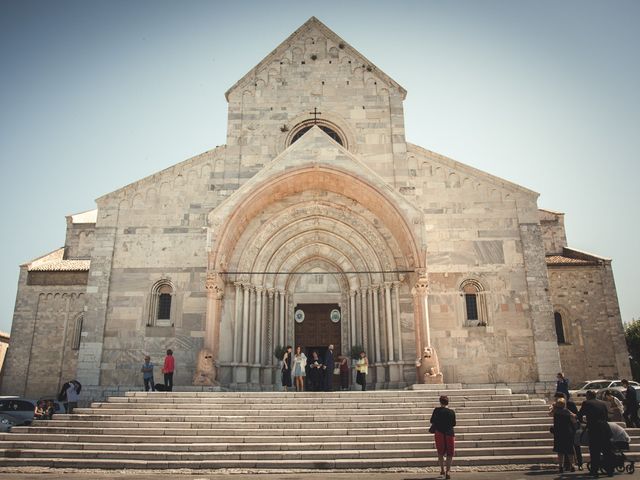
(286, 368)
(443, 419)
(362, 368)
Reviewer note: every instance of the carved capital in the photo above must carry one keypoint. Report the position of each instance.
(215, 285)
(271, 292)
(352, 293)
(421, 286)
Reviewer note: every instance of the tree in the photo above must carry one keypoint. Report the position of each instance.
(632, 336)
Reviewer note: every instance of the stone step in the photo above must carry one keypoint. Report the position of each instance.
(318, 398)
(309, 432)
(170, 455)
(333, 394)
(291, 423)
(282, 464)
(102, 416)
(546, 442)
(318, 406)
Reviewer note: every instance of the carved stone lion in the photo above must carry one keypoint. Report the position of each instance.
(206, 370)
(429, 367)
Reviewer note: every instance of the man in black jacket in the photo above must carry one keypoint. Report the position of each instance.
(630, 405)
(329, 364)
(599, 432)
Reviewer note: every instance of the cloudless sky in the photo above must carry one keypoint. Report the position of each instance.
(97, 94)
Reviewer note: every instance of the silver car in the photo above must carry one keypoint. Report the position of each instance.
(6, 422)
(23, 409)
(580, 393)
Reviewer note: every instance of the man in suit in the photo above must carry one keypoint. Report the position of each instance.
(329, 364)
(599, 432)
(630, 405)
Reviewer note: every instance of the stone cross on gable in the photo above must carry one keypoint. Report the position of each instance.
(315, 114)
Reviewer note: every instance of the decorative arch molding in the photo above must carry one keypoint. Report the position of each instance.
(328, 119)
(289, 183)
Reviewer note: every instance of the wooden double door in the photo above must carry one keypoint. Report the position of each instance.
(317, 331)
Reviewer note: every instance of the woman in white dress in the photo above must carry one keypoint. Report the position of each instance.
(299, 368)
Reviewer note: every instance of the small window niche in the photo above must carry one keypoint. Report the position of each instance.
(560, 330)
(161, 305)
(474, 303)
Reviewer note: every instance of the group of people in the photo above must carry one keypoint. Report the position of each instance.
(602, 434)
(318, 372)
(168, 369)
(44, 410)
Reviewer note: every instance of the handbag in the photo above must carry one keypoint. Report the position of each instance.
(336, 371)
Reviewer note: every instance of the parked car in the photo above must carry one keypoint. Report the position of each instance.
(22, 409)
(7, 421)
(580, 393)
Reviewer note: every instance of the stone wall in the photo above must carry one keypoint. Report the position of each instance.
(151, 231)
(586, 298)
(553, 231)
(41, 356)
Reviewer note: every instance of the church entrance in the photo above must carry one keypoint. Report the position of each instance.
(317, 331)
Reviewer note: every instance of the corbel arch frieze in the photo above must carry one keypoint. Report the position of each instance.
(262, 232)
(331, 257)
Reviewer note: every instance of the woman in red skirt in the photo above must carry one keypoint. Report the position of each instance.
(443, 419)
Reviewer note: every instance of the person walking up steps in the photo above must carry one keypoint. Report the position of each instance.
(443, 419)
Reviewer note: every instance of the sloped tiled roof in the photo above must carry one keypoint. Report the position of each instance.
(563, 260)
(55, 262)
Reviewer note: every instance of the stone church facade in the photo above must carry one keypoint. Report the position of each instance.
(316, 209)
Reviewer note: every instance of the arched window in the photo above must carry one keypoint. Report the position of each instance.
(559, 327)
(299, 130)
(77, 332)
(160, 304)
(475, 308)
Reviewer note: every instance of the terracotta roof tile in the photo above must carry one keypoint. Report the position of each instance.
(564, 260)
(55, 262)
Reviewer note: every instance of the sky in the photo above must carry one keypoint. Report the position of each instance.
(96, 95)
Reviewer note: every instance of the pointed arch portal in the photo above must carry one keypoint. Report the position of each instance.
(313, 222)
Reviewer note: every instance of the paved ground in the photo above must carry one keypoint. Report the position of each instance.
(415, 474)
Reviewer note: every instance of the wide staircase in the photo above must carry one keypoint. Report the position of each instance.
(332, 430)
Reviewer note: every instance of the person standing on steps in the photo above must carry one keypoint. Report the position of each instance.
(443, 419)
(286, 368)
(630, 405)
(147, 374)
(168, 369)
(316, 379)
(362, 368)
(598, 430)
(329, 365)
(562, 385)
(564, 427)
(299, 368)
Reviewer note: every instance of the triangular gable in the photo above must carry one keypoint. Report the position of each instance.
(319, 149)
(279, 51)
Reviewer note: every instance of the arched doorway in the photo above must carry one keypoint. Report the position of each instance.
(310, 222)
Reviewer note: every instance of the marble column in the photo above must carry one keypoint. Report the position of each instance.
(398, 324)
(270, 359)
(376, 322)
(423, 335)
(389, 321)
(283, 315)
(371, 349)
(259, 330)
(245, 323)
(352, 318)
(237, 343)
(363, 318)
